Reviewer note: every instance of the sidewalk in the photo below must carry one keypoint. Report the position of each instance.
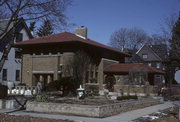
(123, 117)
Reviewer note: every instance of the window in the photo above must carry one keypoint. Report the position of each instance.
(4, 74)
(144, 56)
(17, 75)
(19, 37)
(17, 54)
(149, 64)
(158, 65)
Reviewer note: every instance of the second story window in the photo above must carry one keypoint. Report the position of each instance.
(19, 37)
(4, 74)
(144, 56)
(17, 53)
(158, 65)
(17, 75)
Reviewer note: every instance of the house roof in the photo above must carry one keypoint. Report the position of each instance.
(149, 50)
(125, 68)
(160, 50)
(65, 37)
(136, 58)
(4, 22)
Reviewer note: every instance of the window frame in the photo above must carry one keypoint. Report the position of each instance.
(144, 55)
(17, 77)
(17, 54)
(158, 65)
(4, 75)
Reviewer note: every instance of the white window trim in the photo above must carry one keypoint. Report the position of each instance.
(144, 55)
(158, 65)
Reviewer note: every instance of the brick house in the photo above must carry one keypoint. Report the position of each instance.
(44, 59)
(155, 56)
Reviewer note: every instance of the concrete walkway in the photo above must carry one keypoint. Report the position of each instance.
(123, 117)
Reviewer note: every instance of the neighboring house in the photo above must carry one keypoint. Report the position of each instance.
(10, 58)
(155, 56)
(45, 58)
(131, 74)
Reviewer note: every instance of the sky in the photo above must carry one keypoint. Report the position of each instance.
(103, 17)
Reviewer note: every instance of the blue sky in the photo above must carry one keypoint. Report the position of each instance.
(103, 17)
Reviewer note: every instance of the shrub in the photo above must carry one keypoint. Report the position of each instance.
(93, 80)
(66, 85)
(127, 97)
(42, 98)
(3, 91)
(92, 90)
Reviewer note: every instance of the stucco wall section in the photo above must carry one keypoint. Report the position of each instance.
(44, 63)
(104, 63)
(100, 78)
(27, 70)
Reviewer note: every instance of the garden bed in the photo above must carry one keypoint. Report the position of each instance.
(89, 107)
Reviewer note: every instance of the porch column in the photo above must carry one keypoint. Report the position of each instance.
(41, 78)
(89, 74)
(94, 71)
(49, 79)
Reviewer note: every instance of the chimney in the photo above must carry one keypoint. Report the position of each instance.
(82, 32)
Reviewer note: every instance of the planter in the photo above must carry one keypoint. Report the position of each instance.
(89, 110)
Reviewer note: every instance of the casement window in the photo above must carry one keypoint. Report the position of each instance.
(144, 56)
(17, 75)
(4, 74)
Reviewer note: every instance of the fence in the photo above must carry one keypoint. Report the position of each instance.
(23, 90)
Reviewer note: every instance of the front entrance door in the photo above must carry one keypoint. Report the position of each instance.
(44, 78)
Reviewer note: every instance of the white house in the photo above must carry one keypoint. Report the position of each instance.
(10, 58)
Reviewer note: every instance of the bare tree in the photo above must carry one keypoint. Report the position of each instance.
(167, 26)
(138, 76)
(77, 67)
(128, 38)
(53, 10)
(80, 66)
(3, 15)
(157, 39)
(119, 38)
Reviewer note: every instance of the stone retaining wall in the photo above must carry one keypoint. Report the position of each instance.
(89, 110)
(1, 104)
